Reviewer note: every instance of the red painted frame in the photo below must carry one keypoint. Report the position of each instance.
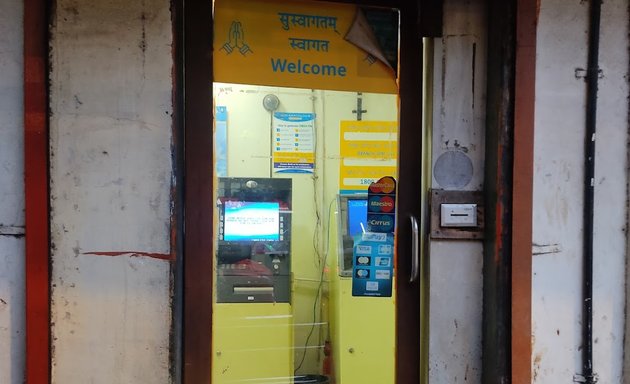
(36, 193)
(522, 190)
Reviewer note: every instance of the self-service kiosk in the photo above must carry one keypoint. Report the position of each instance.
(253, 320)
(253, 255)
(358, 358)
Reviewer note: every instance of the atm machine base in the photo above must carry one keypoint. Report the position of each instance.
(252, 342)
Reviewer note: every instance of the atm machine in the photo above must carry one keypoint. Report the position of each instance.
(357, 358)
(252, 316)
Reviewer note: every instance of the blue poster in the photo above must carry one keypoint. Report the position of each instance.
(293, 142)
(373, 265)
(220, 141)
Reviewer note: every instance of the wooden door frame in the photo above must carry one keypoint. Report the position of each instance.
(198, 185)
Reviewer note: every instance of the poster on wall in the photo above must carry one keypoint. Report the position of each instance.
(293, 141)
(220, 141)
(368, 150)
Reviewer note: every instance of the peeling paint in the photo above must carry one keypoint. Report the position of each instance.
(544, 249)
(159, 256)
(537, 360)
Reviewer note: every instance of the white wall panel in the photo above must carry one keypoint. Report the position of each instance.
(558, 192)
(111, 180)
(459, 106)
(11, 194)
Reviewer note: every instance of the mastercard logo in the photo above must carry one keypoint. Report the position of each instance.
(384, 185)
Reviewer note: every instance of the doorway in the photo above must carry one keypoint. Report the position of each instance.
(277, 198)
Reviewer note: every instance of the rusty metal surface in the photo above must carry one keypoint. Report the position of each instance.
(521, 279)
(198, 277)
(498, 193)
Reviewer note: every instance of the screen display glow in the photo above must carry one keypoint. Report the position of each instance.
(357, 215)
(251, 221)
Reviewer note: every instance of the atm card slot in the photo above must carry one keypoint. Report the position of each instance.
(253, 290)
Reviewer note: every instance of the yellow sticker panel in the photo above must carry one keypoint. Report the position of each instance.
(369, 151)
(294, 157)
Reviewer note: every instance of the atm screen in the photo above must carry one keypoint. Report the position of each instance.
(357, 216)
(251, 221)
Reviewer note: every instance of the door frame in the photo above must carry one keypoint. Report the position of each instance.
(198, 187)
(196, 116)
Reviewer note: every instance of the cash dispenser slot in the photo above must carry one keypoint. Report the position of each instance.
(253, 290)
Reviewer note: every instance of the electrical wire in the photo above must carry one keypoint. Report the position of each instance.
(315, 177)
(318, 223)
(319, 289)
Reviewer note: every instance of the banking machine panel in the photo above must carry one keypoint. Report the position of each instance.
(253, 280)
(253, 256)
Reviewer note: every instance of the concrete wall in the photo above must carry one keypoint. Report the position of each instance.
(458, 132)
(558, 196)
(111, 179)
(11, 194)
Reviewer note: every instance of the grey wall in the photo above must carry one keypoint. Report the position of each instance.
(11, 194)
(558, 197)
(458, 132)
(111, 180)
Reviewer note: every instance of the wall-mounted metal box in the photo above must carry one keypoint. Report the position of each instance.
(457, 214)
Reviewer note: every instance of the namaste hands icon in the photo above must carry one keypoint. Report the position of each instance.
(236, 40)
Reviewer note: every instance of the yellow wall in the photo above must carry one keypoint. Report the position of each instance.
(362, 328)
(245, 332)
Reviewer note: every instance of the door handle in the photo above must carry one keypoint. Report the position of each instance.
(415, 255)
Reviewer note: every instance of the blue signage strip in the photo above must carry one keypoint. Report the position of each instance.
(373, 265)
(373, 255)
(294, 116)
(381, 216)
(220, 140)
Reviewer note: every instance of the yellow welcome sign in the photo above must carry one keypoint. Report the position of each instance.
(293, 44)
